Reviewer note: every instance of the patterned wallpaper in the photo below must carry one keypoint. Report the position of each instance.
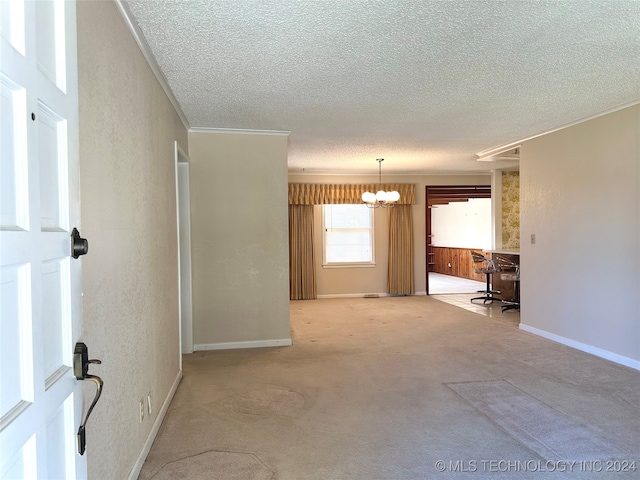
(511, 209)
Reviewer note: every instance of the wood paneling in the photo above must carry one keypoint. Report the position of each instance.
(460, 261)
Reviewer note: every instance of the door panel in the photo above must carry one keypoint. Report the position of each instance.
(13, 172)
(52, 140)
(56, 318)
(16, 342)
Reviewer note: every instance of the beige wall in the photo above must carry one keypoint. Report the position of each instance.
(360, 281)
(580, 196)
(240, 241)
(130, 303)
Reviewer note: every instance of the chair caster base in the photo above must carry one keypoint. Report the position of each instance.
(511, 306)
(484, 299)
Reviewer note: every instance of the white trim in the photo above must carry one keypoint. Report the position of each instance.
(496, 155)
(509, 146)
(177, 151)
(352, 295)
(349, 265)
(151, 60)
(185, 324)
(598, 352)
(276, 342)
(135, 471)
(241, 131)
(310, 172)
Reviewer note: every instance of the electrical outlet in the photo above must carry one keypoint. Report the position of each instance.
(149, 403)
(533, 238)
(141, 410)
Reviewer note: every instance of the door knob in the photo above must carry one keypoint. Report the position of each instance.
(79, 245)
(81, 364)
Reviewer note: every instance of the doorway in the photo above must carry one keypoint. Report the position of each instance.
(183, 210)
(444, 195)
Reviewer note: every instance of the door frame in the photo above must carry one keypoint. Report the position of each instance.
(183, 220)
(440, 195)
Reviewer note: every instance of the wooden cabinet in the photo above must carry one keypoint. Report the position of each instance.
(506, 287)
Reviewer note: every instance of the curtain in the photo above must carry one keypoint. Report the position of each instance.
(302, 197)
(302, 274)
(400, 278)
(324, 194)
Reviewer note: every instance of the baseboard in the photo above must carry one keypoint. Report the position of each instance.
(137, 467)
(361, 295)
(277, 342)
(598, 352)
(350, 295)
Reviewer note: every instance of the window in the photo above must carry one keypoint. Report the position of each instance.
(348, 235)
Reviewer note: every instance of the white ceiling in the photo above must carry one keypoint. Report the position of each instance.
(425, 84)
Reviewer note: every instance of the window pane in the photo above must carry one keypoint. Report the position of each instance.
(343, 237)
(348, 254)
(347, 216)
(348, 234)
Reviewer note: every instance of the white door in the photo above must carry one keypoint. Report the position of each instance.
(40, 401)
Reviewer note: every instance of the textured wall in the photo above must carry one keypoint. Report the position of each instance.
(510, 209)
(127, 134)
(341, 281)
(240, 240)
(580, 196)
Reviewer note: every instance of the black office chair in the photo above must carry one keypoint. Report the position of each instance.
(487, 270)
(511, 276)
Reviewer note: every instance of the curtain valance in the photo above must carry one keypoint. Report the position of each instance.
(323, 193)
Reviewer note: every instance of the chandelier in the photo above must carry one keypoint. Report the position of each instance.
(381, 198)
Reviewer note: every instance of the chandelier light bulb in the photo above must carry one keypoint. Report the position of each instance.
(381, 198)
(368, 197)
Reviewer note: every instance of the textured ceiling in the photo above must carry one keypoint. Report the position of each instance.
(425, 84)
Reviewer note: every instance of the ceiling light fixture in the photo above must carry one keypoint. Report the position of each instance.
(381, 198)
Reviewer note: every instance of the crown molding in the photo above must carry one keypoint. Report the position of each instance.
(240, 131)
(413, 174)
(508, 146)
(502, 154)
(123, 8)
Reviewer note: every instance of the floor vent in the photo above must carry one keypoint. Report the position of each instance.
(371, 295)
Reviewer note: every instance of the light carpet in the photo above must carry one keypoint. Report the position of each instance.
(552, 434)
(365, 393)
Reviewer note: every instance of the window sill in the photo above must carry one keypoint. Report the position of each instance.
(348, 265)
